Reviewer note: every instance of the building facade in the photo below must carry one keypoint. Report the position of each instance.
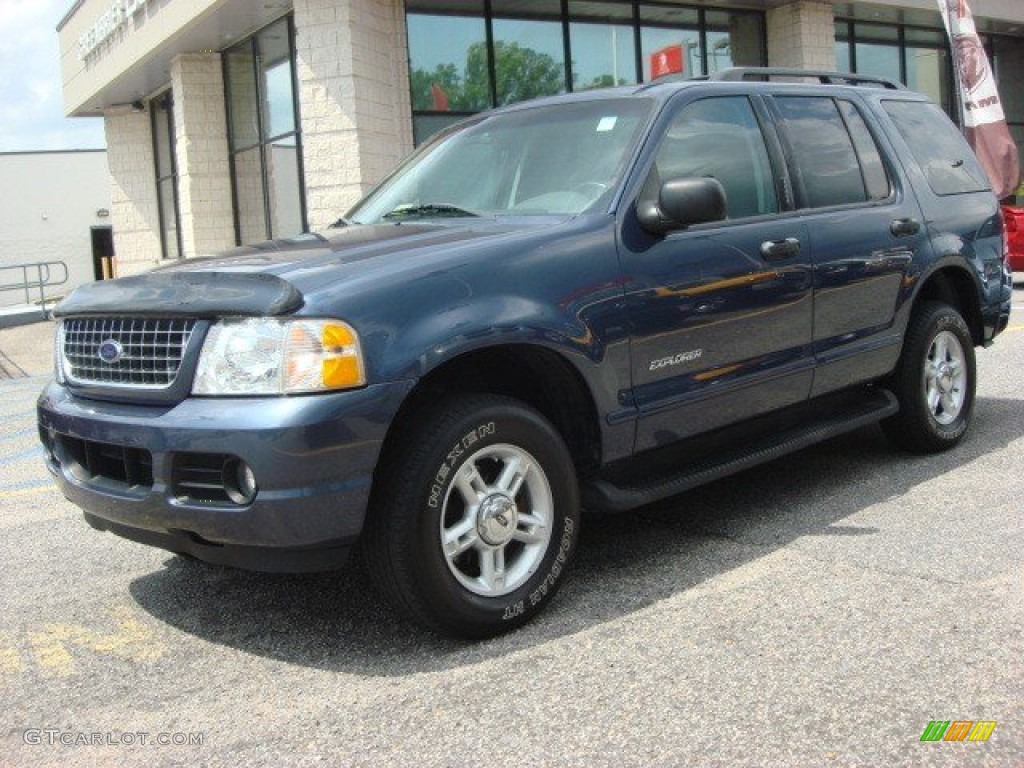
(47, 234)
(229, 122)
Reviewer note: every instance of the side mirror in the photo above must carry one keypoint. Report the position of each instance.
(682, 203)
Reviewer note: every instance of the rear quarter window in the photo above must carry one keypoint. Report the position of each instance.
(946, 159)
(830, 168)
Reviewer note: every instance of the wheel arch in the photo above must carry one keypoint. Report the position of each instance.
(530, 373)
(954, 285)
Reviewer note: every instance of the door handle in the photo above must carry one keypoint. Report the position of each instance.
(904, 227)
(777, 250)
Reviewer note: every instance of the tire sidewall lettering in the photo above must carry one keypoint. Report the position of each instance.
(439, 483)
(518, 606)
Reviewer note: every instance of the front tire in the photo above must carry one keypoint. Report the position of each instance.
(475, 516)
(934, 382)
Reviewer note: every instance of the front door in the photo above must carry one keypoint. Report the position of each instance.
(720, 313)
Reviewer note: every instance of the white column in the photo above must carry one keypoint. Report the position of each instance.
(201, 151)
(134, 213)
(352, 67)
(802, 34)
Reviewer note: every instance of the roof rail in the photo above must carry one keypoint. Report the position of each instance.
(828, 78)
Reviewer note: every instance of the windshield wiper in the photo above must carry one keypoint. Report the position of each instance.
(427, 210)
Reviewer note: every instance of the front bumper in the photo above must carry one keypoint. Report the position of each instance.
(312, 456)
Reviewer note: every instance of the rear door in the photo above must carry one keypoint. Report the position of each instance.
(720, 313)
(864, 226)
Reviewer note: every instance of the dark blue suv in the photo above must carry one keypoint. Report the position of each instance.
(596, 300)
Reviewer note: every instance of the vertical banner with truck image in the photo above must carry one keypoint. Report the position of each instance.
(984, 120)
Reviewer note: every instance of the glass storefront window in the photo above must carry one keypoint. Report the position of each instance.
(744, 46)
(283, 183)
(915, 56)
(466, 56)
(670, 41)
(928, 72)
(448, 68)
(602, 55)
(259, 78)
(276, 78)
(165, 167)
(528, 60)
(240, 83)
(250, 213)
(878, 60)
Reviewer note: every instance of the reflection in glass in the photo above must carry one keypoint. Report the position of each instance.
(658, 39)
(263, 135)
(276, 74)
(252, 223)
(734, 39)
(878, 60)
(843, 57)
(529, 59)
(928, 73)
(283, 186)
(240, 73)
(169, 217)
(877, 32)
(719, 52)
(602, 55)
(448, 63)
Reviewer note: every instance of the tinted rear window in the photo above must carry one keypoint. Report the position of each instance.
(823, 153)
(948, 163)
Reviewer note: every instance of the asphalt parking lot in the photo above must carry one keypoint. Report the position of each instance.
(818, 611)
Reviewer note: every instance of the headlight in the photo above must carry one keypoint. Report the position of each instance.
(267, 356)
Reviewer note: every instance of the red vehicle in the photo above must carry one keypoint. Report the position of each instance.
(1014, 217)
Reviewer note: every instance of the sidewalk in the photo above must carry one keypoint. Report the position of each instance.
(26, 350)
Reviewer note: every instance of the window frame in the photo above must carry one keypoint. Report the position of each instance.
(263, 141)
(850, 38)
(165, 101)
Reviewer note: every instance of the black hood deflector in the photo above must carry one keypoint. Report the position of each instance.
(185, 294)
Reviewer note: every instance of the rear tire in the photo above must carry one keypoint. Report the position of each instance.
(475, 516)
(934, 382)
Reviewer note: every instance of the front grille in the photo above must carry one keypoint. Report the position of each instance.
(142, 352)
(91, 460)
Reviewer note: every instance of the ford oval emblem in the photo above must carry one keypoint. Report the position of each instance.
(110, 351)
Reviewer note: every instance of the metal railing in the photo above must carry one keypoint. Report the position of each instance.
(37, 276)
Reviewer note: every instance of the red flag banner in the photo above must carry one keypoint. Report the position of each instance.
(667, 61)
(439, 96)
(984, 120)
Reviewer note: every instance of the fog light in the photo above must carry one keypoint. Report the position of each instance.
(239, 481)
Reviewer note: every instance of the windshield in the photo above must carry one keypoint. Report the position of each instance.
(554, 159)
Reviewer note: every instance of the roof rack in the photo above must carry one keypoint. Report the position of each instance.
(735, 74)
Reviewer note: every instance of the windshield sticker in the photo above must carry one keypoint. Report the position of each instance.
(607, 123)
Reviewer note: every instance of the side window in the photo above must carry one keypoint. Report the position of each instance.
(947, 161)
(720, 137)
(875, 177)
(822, 150)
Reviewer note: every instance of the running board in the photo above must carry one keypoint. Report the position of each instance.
(601, 494)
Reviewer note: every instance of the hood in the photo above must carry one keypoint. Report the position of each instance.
(272, 277)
